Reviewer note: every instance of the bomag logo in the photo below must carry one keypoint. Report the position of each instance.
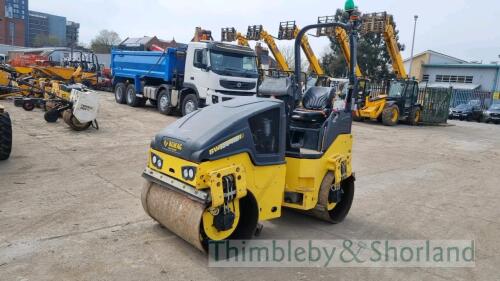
(172, 145)
(225, 144)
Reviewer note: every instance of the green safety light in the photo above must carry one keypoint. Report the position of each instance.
(349, 5)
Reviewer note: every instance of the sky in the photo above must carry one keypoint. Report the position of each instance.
(459, 28)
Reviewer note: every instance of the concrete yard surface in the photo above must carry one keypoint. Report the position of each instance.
(70, 204)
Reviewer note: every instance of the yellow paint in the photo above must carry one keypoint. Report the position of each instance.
(373, 107)
(305, 175)
(267, 184)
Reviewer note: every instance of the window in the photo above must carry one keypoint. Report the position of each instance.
(425, 78)
(452, 79)
(265, 131)
(200, 58)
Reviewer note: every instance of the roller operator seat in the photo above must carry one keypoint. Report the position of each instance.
(316, 105)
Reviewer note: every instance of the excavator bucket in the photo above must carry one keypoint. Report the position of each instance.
(228, 34)
(375, 22)
(287, 30)
(254, 32)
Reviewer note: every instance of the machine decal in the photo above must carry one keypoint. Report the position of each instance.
(226, 143)
(172, 145)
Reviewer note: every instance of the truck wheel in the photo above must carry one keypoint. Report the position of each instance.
(5, 136)
(154, 103)
(414, 117)
(120, 90)
(189, 104)
(163, 102)
(390, 115)
(132, 99)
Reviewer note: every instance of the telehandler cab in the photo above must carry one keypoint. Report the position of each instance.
(215, 173)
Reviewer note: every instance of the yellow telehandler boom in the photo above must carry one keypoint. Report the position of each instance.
(257, 33)
(229, 34)
(288, 31)
(342, 38)
(383, 23)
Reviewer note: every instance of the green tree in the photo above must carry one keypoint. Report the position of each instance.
(373, 57)
(104, 41)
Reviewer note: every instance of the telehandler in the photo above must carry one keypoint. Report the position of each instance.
(215, 180)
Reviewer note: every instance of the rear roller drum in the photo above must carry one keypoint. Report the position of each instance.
(334, 205)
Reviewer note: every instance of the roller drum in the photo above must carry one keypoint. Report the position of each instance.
(175, 211)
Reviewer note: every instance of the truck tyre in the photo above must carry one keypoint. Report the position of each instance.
(189, 104)
(120, 90)
(163, 102)
(132, 99)
(415, 116)
(390, 115)
(5, 136)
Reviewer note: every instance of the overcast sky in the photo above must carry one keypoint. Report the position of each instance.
(460, 28)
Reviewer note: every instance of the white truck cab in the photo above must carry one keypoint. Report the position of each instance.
(219, 72)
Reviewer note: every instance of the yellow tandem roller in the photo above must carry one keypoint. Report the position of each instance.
(215, 173)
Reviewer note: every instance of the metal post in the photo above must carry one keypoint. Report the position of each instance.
(413, 45)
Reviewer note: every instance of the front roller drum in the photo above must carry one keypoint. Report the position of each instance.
(175, 211)
(333, 206)
(74, 124)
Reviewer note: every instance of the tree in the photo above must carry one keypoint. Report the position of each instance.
(373, 57)
(104, 41)
(288, 53)
(45, 40)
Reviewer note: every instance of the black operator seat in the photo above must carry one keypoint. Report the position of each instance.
(316, 105)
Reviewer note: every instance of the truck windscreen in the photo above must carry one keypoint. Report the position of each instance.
(233, 64)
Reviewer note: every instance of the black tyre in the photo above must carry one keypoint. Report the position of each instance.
(189, 104)
(415, 116)
(5, 136)
(52, 115)
(163, 102)
(120, 90)
(132, 99)
(390, 115)
(28, 105)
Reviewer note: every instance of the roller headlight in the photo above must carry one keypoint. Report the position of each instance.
(156, 160)
(188, 173)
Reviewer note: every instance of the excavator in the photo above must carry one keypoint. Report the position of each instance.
(399, 102)
(214, 181)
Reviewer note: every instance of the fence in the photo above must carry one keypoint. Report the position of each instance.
(435, 104)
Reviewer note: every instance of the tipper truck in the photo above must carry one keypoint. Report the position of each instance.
(186, 78)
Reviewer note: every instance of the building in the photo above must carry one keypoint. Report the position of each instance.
(13, 22)
(46, 30)
(439, 70)
(72, 33)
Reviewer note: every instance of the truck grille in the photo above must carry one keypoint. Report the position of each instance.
(237, 85)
